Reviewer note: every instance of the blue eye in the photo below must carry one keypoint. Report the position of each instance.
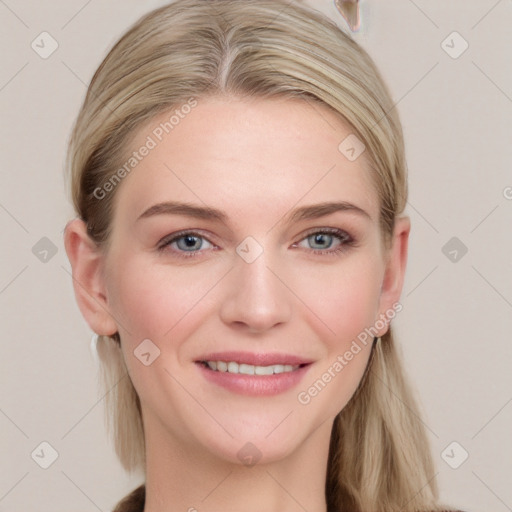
(322, 241)
(187, 242)
(325, 242)
(190, 242)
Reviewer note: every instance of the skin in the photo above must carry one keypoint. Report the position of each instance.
(256, 160)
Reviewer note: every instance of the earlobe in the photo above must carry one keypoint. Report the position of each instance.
(88, 283)
(394, 276)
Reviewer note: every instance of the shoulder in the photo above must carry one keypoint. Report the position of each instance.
(133, 502)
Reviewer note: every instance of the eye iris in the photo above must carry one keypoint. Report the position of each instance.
(320, 238)
(191, 242)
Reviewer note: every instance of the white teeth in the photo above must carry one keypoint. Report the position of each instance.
(264, 370)
(246, 369)
(249, 369)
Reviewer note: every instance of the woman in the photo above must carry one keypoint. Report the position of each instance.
(239, 177)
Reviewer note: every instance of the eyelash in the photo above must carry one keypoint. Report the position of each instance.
(346, 242)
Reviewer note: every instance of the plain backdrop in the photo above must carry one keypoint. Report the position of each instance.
(454, 331)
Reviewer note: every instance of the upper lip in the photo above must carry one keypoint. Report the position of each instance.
(255, 359)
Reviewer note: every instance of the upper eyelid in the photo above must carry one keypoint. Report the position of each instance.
(329, 230)
(180, 234)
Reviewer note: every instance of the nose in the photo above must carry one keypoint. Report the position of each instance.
(256, 299)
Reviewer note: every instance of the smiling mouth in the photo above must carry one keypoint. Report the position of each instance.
(249, 369)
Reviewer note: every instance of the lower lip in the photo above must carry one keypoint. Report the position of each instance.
(255, 385)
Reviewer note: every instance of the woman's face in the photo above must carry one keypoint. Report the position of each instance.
(271, 278)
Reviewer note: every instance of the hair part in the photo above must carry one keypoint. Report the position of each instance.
(379, 455)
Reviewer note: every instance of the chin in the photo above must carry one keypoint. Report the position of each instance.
(256, 451)
(258, 445)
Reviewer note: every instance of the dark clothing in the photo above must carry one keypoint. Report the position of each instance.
(134, 502)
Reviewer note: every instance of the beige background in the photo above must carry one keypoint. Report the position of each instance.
(456, 325)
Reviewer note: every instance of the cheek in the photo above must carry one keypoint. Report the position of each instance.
(347, 305)
(153, 301)
(164, 305)
(344, 297)
(342, 303)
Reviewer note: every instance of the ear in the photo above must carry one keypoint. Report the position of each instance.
(394, 275)
(86, 263)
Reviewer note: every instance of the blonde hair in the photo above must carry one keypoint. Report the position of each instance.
(379, 457)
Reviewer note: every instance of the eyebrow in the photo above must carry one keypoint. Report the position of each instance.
(208, 213)
(315, 211)
(189, 210)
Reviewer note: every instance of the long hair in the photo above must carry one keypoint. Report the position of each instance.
(379, 455)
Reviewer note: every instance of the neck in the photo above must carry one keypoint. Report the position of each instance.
(181, 478)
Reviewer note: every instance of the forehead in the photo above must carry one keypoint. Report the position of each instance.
(244, 155)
